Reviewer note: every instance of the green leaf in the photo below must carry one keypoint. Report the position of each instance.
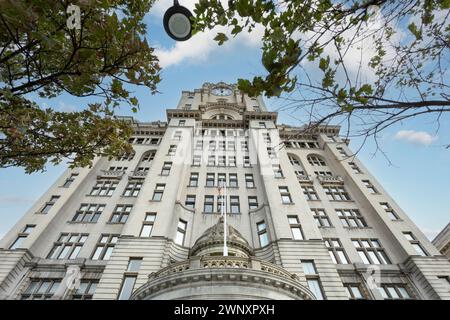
(221, 38)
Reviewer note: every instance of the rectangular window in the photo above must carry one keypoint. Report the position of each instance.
(88, 213)
(234, 204)
(221, 179)
(278, 173)
(336, 193)
(370, 251)
(262, 124)
(309, 192)
(67, 246)
(85, 291)
(390, 212)
(221, 161)
(127, 287)
(231, 146)
(246, 161)
(271, 152)
(342, 151)
(296, 228)
(69, 180)
(126, 157)
(132, 189)
(354, 167)
(354, 291)
(351, 218)
(165, 171)
(233, 180)
(415, 244)
(190, 201)
(199, 145)
(316, 287)
(159, 191)
(197, 160)
(244, 145)
(208, 204)
(193, 179)
(309, 268)
(262, 233)
(121, 213)
(252, 202)
(336, 251)
(172, 150)
(212, 161)
(370, 186)
(182, 123)
(147, 224)
(105, 246)
(285, 195)
(394, 291)
(212, 145)
(49, 204)
(41, 289)
(22, 236)
(154, 141)
(104, 188)
(249, 182)
(181, 232)
(210, 179)
(321, 217)
(177, 135)
(231, 161)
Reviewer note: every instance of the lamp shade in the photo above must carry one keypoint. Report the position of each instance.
(177, 22)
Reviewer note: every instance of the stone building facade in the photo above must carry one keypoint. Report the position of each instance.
(306, 219)
(442, 241)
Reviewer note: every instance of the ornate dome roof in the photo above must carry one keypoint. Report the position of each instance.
(213, 238)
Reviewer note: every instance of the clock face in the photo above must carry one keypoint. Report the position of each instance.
(220, 91)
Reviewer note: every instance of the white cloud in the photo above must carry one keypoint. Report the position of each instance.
(202, 45)
(418, 137)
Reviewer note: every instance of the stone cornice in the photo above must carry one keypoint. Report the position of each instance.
(205, 271)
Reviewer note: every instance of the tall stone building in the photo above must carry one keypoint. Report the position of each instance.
(306, 219)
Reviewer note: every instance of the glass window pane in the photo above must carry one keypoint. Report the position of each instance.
(356, 292)
(314, 286)
(64, 252)
(264, 239)
(403, 292)
(44, 287)
(392, 292)
(127, 288)
(309, 268)
(75, 252)
(97, 253)
(146, 230)
(373, 256)
(108, 253)
(179, 239)
(297, 233)
(363, 257)
(342, 256)
(134, 264)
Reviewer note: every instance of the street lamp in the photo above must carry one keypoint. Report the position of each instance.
(177, 22)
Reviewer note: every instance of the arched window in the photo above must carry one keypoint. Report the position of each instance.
(297, 164)
(316, 160)
(148, 157)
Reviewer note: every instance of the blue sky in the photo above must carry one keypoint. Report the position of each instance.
(417, 177)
